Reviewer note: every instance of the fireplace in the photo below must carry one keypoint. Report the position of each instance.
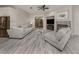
(50, 24)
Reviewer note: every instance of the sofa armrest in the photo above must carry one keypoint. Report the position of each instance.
(64, 40)
(58, 44)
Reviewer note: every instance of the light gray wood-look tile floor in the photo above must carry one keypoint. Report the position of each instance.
(33, 43)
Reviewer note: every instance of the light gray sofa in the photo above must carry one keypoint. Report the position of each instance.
(57, 40)
(19, 32)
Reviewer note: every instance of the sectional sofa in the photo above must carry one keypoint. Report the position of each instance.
(19, 32)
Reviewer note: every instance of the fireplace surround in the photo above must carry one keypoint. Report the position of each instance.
(50, 23)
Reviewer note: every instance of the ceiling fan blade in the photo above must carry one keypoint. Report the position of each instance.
(43, 6)
(46, 8)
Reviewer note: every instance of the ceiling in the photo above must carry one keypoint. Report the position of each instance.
(34, 9)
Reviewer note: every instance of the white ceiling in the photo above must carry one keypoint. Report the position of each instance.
(35, 10)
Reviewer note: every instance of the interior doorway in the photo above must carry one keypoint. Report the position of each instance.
(4, 25)
(38, 22)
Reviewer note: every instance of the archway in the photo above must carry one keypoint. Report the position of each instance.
(38, 22)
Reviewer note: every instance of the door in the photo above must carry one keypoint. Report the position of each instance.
(4, 25)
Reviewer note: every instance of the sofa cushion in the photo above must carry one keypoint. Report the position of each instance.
(61, 32)
(51, 36)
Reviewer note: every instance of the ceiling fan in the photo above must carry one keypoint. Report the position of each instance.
(43, 7)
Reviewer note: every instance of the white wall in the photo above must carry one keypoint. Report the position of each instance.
(68, 9)
(51, 13)
(76, 19)
(4, 11)
(17, 16)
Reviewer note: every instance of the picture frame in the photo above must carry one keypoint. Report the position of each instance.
(62, 15)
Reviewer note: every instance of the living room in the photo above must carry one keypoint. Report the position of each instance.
(31, 28)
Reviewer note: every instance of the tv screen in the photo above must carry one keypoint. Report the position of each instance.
(50, 21)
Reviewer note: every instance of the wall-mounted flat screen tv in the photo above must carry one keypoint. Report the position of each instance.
(50, 21)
